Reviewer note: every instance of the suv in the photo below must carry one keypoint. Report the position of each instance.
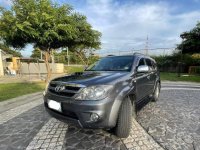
(106, 94)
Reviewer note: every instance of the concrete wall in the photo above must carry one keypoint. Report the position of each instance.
(36, 68)
(1, 64)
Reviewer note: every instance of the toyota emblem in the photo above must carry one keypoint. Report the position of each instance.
(59, 88)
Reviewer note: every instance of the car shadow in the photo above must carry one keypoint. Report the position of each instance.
(79, 138)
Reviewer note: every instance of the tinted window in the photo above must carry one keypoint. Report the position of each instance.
(141, 62)
(148, 62)
(118, 63)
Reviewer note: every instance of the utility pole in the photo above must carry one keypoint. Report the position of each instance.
(146, 46)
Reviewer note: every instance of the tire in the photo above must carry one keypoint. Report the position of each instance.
(156, 92)
(124, 120)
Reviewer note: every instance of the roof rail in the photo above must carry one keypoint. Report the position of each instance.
(136, 53)
(110, 55)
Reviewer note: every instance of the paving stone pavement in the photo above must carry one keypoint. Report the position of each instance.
(174, 121)
(18, 132)
(35, 129)
(140, 140)
(77, 138)
(50, 136)
(9, 114)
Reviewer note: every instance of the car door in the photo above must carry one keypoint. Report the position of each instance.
(151, 76)
(141, 82)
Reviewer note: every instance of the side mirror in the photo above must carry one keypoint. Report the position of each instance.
(143, 69)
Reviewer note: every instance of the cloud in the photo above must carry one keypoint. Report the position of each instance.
(125, 26)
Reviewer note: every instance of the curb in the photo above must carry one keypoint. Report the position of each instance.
(18, 101)
(179, 82)
(20, 98)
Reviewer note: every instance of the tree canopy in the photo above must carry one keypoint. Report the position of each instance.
(36, 53)
(191, 41)
(46, 25)
(9, 50)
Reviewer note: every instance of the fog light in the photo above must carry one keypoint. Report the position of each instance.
(94, 117)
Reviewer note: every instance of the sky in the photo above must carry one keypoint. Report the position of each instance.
(125, 24)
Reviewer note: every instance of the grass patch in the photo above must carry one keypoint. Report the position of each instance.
(72, 69)
(173, 77)
(12, 90)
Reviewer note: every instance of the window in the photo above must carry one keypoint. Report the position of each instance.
(148, 62)
(141, 62)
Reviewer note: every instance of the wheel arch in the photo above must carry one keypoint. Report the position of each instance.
(114, 112)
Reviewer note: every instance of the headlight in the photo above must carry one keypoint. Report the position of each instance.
(94, 92)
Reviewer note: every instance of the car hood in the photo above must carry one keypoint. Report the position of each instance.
(92, 78)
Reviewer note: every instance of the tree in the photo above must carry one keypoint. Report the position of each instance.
(191, 41)
(10, 51)
(47, 26)
(36, 53)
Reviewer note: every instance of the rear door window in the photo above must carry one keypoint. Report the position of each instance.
(149, 63)
(141, 62)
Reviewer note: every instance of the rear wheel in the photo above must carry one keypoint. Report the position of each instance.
(156, 92)
(124, 120)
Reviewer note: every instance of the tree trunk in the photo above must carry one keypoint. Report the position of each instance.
(46, 60)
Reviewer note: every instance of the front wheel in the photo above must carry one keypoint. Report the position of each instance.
(124, 120)
(156, 92)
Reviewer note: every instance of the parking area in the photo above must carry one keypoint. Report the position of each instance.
(174, 121)
(171, 123)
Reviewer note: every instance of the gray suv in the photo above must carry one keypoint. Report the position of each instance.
(106, 94)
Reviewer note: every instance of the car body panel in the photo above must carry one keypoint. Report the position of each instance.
(124, 83)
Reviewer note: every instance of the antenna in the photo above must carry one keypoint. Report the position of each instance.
(146, 46)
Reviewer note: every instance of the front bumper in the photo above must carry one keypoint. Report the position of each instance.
(79, 112)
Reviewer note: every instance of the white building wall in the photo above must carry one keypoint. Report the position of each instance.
(1, 64)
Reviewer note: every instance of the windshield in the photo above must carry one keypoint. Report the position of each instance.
(118, 63)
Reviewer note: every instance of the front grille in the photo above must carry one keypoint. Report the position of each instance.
(62, 93)
(69, 89)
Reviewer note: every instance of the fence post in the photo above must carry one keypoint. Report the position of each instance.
(179, 69)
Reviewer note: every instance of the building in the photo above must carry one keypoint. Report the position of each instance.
(25, 66)
(3, 57)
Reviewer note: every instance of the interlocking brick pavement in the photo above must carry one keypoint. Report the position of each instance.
(140, 140)
(18, 132)
(9, 114)
(28, 126)
(174, 121)
(51, 136)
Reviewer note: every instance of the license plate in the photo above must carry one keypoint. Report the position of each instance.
(54, 105)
